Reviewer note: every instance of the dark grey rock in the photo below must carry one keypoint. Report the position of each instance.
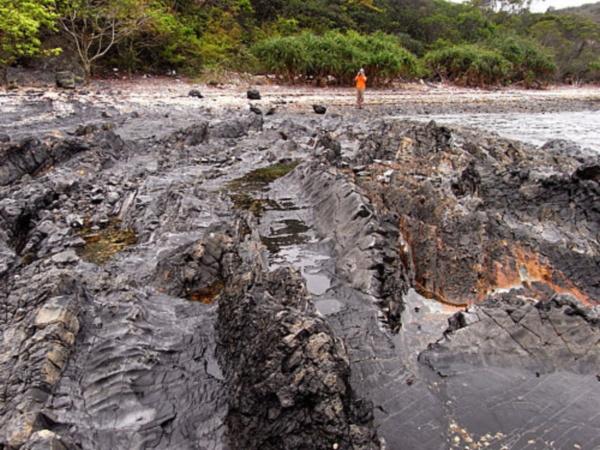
(195, 269)
(119, 353)
(588, 172)
(195, 93)
(236, 128)
(289, 375)
(545, 336)
(83, 130)
(332, 149)
(98, 198)
(319, 109)
(365, 242)
(193, 135)
(253, 94)
(518, 198)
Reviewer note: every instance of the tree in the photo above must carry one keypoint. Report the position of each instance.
(20, 25)
(573, 40)
(531, 63)
(96, 26)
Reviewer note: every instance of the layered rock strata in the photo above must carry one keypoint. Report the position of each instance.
(138, 311)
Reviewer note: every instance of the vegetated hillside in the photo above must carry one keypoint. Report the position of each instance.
(591, 10)
(307, 40)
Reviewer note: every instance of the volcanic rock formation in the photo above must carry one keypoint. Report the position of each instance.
(178, 279)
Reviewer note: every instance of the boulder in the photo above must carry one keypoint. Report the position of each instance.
(253, 94)
(65, 79)
(330, 148)
(319, 109)
(588, 172)
(195, 93)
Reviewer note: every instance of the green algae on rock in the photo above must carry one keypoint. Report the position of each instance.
(255, 181)
(259, 178)
(100, 246)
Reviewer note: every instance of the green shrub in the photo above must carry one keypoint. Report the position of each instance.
(469, 65)
(284, 56)
(383, 57)
(309, 56)
(20, 24)
(529, 61)
(412, 45)
(573, 40)
(594, 70)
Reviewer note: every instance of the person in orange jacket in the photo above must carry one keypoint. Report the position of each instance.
(361, 84)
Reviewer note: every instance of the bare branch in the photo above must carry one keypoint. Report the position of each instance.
(109, 46)
(95, 29)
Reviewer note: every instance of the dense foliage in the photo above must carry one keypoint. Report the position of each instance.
(469, 65)
(574, 42)
(310, 39)
(336, 55)
(20, 25)
(528, 61)
(502, 60)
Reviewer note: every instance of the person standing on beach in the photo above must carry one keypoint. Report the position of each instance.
(361, 84)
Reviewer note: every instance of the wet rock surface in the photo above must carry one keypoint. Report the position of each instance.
(279, 354)
(205, 279)
(554, 334)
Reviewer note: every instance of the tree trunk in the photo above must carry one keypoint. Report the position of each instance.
(87, 69)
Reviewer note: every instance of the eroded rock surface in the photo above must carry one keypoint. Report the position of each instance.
(366, 244)
(483, 213)
(277, 353)
(546, 336)
(118, 355)
(543, 357)
(158, 291)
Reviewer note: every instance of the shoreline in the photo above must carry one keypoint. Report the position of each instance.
(175, 90)
(167, 106)
(32, 110)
